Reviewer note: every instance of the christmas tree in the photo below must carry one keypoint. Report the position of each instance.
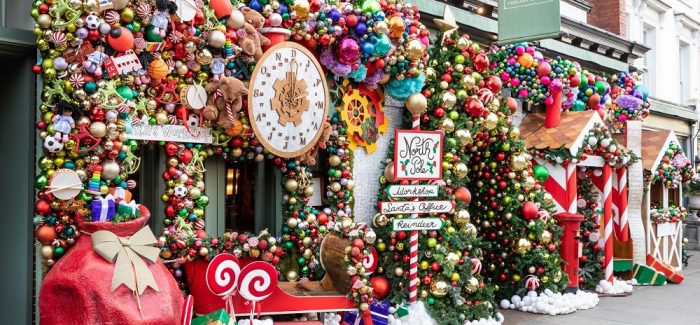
(449, 259)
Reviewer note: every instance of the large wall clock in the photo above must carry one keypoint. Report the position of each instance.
(287, 100)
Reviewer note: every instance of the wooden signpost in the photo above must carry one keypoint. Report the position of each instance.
(420, 207)
(411, 191)
(418, 224)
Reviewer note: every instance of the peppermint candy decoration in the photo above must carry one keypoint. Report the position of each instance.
(485, 95)
(257, 281)
(543, 215)
(371, 261)
(77, 80)
(176, 37)
(131, 184)
(143, 10)
(199, 224)
(222, 274)
(476, 265)
(135, 121)
(173, 120)
(124, 109)
(58, 37)
(532, 282)
(112, 17)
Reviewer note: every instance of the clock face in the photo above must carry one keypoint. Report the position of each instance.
(287, 100)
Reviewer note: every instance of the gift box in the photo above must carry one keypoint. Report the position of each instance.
(668, 270)
(219, 317)
(379, 312)
(647, 275)
(402, 311)
(128, 209)
(103, 209)
(120, 194)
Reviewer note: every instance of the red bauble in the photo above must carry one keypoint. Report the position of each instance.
(170, 148)
(551, 247)
(494, 84)
(435, 266)
(45, 234)
(380, 286)
(358, 242)
(185, 156)
(322, 218)
(529, 210)
(474, 107)
(401, 235)
(463, 195)
(481, 62)
(42, 207)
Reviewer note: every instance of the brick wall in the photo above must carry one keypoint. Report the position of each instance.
(609, 15)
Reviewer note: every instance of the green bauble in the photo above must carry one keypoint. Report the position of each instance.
(40, 182)
(541, 173)
(203, 200)
(152, 36)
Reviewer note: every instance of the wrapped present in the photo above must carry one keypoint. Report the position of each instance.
(219, 317)
(647, 275)
(402, 311)
(120, 194)
(668, 270)
(130, 209)
(103, 209)
(379, 313)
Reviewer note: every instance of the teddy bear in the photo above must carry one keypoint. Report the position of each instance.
(225, 101)
(249, 39)
(309, 157)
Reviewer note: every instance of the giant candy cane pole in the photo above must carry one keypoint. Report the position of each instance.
(607, 220)
(416, 104)
(622, 205)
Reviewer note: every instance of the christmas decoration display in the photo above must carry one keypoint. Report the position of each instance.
(548, 302)
(675, 168)
(671, 214)
(590, 266)
(362, 110)
(647, 275)
(667, 270)
(629, 99)
(177, 73)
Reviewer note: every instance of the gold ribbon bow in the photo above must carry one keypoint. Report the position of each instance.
(126, 253)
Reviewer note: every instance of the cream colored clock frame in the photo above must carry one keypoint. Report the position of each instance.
(287, 100)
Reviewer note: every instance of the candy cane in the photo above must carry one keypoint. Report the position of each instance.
(607, 217)
(623, 230)
(186, 318)
(413, 265)
(257, 281)
(532, 282)
(222, 275)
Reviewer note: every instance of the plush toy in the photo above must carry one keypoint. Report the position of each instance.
(224, 101)
(249, 39)
(309, 157)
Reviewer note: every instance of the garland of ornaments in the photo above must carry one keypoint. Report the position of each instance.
(672, 214)
(675, 168)
(113, 66)
(630, 100)
(598, 142)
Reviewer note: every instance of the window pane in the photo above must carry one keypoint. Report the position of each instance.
(239, 195)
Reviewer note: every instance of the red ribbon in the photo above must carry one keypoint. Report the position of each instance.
(367, 317)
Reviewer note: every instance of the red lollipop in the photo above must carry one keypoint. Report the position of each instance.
(257, 281)
(222, 274)
(371, 261)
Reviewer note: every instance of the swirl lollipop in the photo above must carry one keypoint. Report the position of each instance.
(222, 277)
(371, 261)
(256, 282)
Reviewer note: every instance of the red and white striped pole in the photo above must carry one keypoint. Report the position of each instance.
(413, 264)
(607, 220)
(623, 225)
(571, 190)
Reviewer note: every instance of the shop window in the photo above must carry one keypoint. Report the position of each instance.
(239, 195)
(319, 172)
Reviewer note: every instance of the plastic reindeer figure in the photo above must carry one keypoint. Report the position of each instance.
(164, 9)
(64, 120)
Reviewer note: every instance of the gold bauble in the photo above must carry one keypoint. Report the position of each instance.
(98, 129)
(414, 50)
(522, 246)
(292, 276)
(545, 279)
(46, 251)
(448, 125)
(396, 26)
(449, 99)
(204, 57)
(110, 170)
(464, 136)
(416, 104)
(468, 81)
(291, 185)
(44, 21)
(518, 162)
(461, 170)
(452, 258)
(462, 217)
(216, 39)
(438, 288)
(308, 253)
(309, 191)
(472, 285)
(469, 230)
(546, 237)
(424, 293)
(301, 7)
(380, 220)
(557, 276)
(335, 187)
(334, 161)
(491, 121)
(161, 118)
(463, 43)
(346, 223)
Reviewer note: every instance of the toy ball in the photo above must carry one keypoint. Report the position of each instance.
(158, 69)
(120, 39)
(594, 100)
(92, 21)
(52, 144)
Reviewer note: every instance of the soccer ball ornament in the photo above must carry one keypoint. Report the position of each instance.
(92, 21)
(52, 145)
(180, 191)
(192, 120)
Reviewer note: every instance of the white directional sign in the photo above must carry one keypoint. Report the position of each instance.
(410, 191)
(417, 207)
(418, 224)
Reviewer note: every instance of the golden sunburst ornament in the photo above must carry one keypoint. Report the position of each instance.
(290, 100)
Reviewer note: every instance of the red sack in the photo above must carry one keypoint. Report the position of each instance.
(77, 290)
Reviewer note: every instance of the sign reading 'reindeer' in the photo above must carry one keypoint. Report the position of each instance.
(418, 155)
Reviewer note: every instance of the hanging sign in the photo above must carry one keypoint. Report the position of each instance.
(527, 20)
(175, 133)
(410, 191)
(418, 224)
(411, 207)
(418, 155)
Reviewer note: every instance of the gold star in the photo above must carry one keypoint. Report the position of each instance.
(447, 24)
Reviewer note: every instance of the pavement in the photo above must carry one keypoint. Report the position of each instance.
(670, 304)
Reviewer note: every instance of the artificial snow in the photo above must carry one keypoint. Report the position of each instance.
(615, 288)
(551, 303)
(416, 315)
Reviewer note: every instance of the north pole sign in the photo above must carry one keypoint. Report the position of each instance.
(418, 155)
(417, 224)
(415, 207)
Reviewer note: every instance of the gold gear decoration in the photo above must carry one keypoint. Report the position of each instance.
(362, 107)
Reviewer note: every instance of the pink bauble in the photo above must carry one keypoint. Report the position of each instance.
(348, 51)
